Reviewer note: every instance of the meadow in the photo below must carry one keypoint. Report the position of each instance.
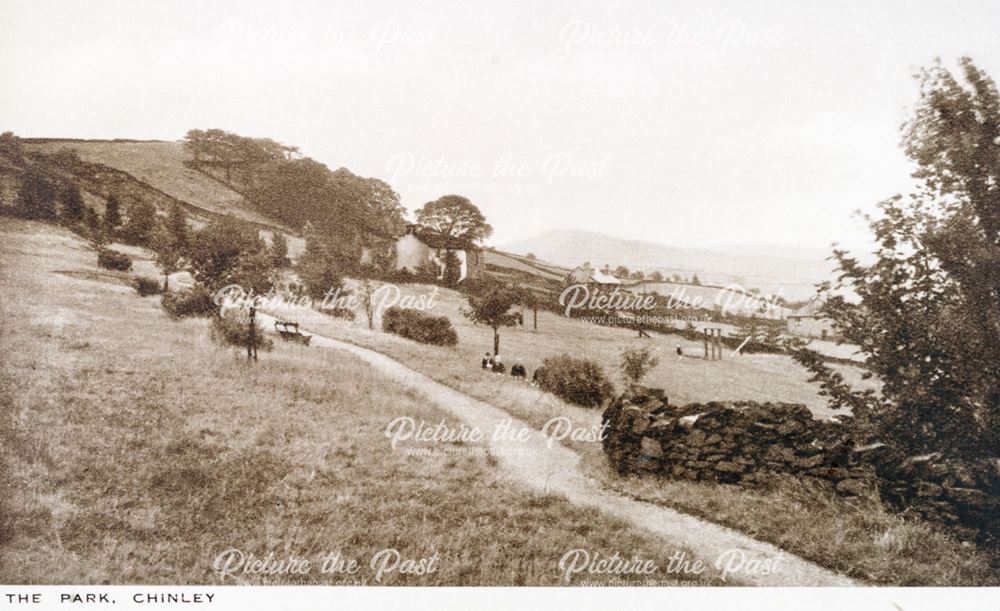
(858, 536)
(134, 450)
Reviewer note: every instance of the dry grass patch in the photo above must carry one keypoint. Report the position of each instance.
(133, 450)
(862, 539)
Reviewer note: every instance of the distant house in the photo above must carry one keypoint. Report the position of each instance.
(585, 274)
(808, 322)
(420, 247)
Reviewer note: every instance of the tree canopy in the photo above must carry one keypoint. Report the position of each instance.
(927, 314)
(456, 217)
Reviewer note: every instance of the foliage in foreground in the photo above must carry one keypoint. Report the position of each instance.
(228, 331)
(579, 381)
(928, 315)
(418, 326)
(114, 260)
(195, 301)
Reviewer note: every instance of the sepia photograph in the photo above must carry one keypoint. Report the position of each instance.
(318, 304)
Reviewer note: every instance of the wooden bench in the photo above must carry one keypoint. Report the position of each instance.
(289, 331)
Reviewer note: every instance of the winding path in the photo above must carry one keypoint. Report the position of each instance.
(556, 470)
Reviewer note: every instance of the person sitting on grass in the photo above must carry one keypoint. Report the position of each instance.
(487, 361)
(518, 371)
(536, 377)
(498, 364)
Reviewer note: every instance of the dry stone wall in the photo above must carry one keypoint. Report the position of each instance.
(742, 442)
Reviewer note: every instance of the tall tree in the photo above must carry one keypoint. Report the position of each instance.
(319, 267)
(112, 213)
(455, 216)
(140, 224)
(170, 242)
(928, 311)
(37, 197)
(168, 253)
(279, 249)
(72, 204)
(177, 226)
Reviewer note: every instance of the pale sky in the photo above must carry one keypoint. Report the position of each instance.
(688, 123)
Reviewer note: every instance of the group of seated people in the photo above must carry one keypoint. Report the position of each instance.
(495, 364)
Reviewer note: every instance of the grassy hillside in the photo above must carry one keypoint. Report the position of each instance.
(158, 171)
(133, 450)
(160, 165)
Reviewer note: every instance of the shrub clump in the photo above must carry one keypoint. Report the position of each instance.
(146, 286)
(418, 326)
(112, 259)
(231, 332)
(195, 301)
(579, 381)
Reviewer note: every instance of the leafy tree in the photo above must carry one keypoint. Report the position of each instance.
(635, 363)
(228, 251)
(695, 281)
(177, 226)
(168, 253)
(456, 217)
(351, 211)
(927, 315)
(621, 272)
(531, 256)
(141, 223)
(96, 229)
(656, 277)
(489, 302)
(37, 197)
(293, 192)
(279, 249)
(112, 213)
(637, 275)
(230, 150)
(319, 267)
(749, 327)
(72, 204)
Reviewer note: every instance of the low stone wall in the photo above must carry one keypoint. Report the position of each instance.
(739, 442)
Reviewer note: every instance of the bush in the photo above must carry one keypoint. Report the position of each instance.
(146, 286)
(112, 259)
(232, 332)
(415, 325)
(578, 381)
(636, 363)
(195, 301)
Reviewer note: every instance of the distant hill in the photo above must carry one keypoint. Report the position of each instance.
(793, 274)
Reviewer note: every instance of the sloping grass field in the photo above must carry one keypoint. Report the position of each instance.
(134, 450)
(859, 537)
